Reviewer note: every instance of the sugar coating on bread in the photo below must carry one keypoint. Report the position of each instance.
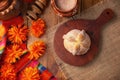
(77, 42)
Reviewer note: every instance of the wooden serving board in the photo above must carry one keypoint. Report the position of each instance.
(92, 27)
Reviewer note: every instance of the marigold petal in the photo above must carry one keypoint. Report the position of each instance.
(13, 52)
(30, 73)
(38, 28)
(17, 34)
(37, 49)
(7, 72)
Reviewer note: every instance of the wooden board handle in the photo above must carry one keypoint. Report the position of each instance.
(105, 16)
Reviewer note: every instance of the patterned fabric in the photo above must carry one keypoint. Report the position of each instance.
(2, 38)
(2, 44)
(46, 75)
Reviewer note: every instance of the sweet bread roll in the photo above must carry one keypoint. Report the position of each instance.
(77, 42)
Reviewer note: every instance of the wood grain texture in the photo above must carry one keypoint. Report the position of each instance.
(93, 29)
(51, 20)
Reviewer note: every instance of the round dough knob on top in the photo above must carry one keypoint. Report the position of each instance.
(77, 42)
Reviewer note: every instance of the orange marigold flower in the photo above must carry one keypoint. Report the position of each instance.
(13, 52)
(17, 34)
(38, 28)
(37, 49)
(30, 73)
(7, 72)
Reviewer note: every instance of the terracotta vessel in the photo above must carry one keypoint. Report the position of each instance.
(9, 9)
(65, 8)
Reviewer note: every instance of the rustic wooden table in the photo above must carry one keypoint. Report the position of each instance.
(51, 20)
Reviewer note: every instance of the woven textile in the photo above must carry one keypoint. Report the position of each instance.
(106, 65)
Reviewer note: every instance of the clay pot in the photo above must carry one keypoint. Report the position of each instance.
(64, 8)
(9, 9)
